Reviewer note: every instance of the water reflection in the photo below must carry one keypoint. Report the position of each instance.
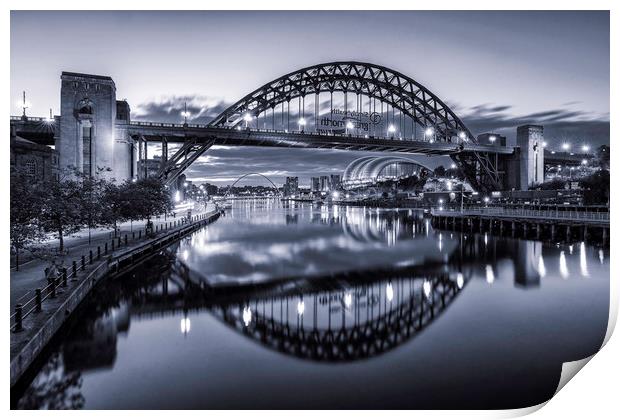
(368, 304)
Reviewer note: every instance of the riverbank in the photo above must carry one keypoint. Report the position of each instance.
(33, 329)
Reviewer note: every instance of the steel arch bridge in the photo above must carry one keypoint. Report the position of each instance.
(251, 174)
(346, 105)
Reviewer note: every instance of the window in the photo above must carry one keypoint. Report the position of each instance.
(30, 167)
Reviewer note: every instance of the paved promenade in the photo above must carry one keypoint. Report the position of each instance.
(31, 274)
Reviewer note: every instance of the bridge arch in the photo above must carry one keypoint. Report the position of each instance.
(251, 174)
(373, 81)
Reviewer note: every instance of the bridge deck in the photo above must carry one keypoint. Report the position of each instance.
(277, 138)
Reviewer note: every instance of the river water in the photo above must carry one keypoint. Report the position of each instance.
(282, 305)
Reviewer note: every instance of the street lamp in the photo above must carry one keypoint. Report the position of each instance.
(391, 130)
(428, 132)
(49, 119)
(566, 146)
(544, 144)
(584, 162)
(185, 114)
(302, 123)
(463, 136)
(349, 126)
(492, 139)
(247, 118)
(486, 201)
(585, 148)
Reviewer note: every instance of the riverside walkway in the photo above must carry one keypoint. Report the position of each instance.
(31, 274)
(42, 312)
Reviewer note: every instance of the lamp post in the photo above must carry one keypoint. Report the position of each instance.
(301, 124)
(429, 132)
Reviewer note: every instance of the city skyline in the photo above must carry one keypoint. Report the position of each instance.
(527, 76)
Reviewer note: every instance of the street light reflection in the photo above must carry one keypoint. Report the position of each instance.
(563, 267)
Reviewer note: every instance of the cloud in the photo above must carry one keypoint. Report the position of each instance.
(560, 125)
(202, 109)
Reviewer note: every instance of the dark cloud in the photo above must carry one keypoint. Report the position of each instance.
(560, 125)
(201, 109)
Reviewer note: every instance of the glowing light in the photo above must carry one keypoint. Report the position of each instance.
(429, 131)
(490, 274)
(460, 281)
(566, 146)
(391, 129)
(185, 114)
(585, 148)
(441, 201)
(601, 256)
(544, 144)
(453, 166)
(247, 117)
(389, 292)
(492, 138)
(185, 255)
(462, 135)
(542, 270)
(347, 300)
(186, 325)
(449, 185)
(563, 267)
(335, 195)
(349, 125)
(247, 316)
(584, 162)
(583, 261)
(302, 121)
(177, 196)
(427, 288)
(300, 307)
(486, 199)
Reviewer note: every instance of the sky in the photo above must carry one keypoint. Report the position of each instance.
(496, 70)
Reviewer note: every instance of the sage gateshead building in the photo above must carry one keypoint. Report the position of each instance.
(371, 170)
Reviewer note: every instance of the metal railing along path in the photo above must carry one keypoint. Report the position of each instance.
(587, 216)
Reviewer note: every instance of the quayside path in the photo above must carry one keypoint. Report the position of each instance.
(41, 312)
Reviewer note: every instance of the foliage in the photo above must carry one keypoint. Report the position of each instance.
(440, 171)
(147, 198)
(596, 188)
(25, 206)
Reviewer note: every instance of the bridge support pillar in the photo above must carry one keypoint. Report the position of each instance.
(501, 227)
(525, 230)
(568, 233)
(537, 230)
(513, 229)
(604, 236)
(553, 232)
(585, 233)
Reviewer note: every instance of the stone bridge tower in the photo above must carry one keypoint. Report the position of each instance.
(89, 139)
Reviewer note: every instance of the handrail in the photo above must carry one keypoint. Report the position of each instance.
(549, 214)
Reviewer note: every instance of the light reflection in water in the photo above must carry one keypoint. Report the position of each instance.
(583, 261)
(489, 274)
(247, 315)
(563, 267)
(541, 267)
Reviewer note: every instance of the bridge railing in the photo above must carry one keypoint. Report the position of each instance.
(526, 213)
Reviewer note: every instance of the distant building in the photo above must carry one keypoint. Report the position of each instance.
(291, 186)
(32, 159)
(315, 184)
(335, 182)
(324, 183)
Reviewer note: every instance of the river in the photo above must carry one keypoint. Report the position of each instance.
(294, 305)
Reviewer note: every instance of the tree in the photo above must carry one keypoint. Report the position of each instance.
(596, 188)
(25, 207)
(92, 199)
(148, 197)
(440, 171)
(114, 204)
(61, 207)
(603, 156)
